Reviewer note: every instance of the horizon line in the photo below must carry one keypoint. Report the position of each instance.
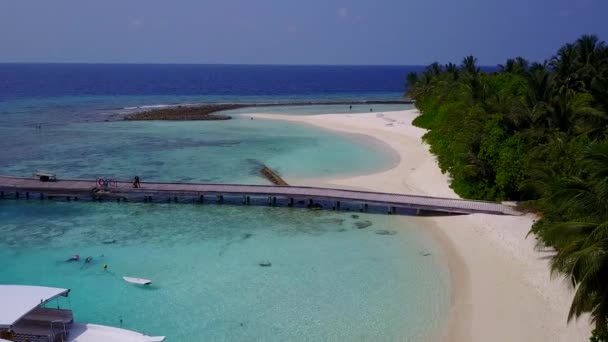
(228, 64)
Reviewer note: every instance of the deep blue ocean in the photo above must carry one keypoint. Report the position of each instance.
(56, 80)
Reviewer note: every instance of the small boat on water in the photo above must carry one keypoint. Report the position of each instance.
(25, 317)
(138, 281)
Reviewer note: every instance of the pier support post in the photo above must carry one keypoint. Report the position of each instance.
(338, 205)
(42, 195)
(365, 207)
(17, 194)
(2, 194)
(247, 199)
(175, 199)
(201, 199)
(290, 202)
(391, 210)
(417, 211)
(310, 203)
(269, 201)
(220, 198)
(68, 198)
(274, 201)
(27, 195)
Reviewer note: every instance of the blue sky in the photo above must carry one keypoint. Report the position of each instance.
(292, 32)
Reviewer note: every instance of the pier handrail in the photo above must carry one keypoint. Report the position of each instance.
(142, 189)
(380, 198)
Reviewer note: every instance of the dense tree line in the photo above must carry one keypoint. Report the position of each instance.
(537, 133)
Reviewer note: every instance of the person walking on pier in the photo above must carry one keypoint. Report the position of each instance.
(136, 182)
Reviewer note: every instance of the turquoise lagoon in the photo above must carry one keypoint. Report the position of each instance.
(219, 151)
(329, 280)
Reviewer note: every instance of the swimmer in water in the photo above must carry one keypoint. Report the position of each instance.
(74, 257)
(88, 260)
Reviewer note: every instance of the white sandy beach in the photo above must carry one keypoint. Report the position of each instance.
(502, 288)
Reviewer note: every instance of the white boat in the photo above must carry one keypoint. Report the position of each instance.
(139, 281)
(24, 317)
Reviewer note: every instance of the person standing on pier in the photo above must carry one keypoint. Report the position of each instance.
(136, 182)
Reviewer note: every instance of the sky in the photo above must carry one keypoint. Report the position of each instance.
(393, 32)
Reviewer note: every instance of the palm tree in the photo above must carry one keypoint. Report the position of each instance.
(509, 66)
(565, 66)
(434, 69)
(539, 98)
(582, 255)
(471, 75)
(521, 66)
(452, 69)
(582, 244)
(468, 65)
(588, 53)
(517, 66)
(599, 82)
(411, 79)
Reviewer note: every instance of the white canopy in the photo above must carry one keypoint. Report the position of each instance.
(17, 300)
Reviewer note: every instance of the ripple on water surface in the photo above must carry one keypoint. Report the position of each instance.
(328, 279)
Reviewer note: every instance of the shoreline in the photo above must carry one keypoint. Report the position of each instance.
(392, 156)
(213, 111)
(501, 286)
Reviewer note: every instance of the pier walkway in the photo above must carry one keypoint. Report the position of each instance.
(312, 197)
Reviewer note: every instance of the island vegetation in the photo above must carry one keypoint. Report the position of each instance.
(185, 113)
(536, 133)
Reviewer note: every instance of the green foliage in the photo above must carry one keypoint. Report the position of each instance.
(510, 167)
(533, 132)
(599, 336)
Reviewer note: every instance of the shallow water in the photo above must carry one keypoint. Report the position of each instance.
(328, 279)
(220, 151)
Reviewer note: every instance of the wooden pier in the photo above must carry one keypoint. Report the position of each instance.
(310, 197)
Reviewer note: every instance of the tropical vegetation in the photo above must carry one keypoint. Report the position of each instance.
(536, 133)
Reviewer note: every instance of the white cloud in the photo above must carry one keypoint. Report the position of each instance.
(342, 12)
